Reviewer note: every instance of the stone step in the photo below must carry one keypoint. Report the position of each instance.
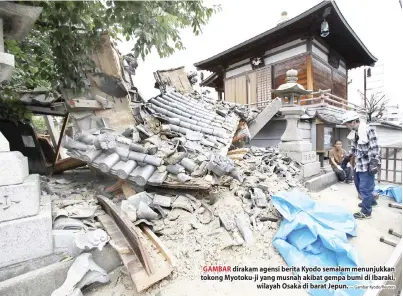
(21, 200)
(14, 168)
(27, 238)
(321, 182)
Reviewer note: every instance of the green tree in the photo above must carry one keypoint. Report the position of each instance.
(57, 50)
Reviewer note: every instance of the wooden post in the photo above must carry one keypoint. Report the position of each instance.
(394, 164)
(387, 164)
(66, 119)
(309, 74)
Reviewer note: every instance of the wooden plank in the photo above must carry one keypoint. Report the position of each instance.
(66, 119)
(128, 190)
(82, 104)
(158, 243)
(139, 276)
(46, 110)
(54, 134)
(339, 85)
(66, 164)
(298, 63)
(129, 231)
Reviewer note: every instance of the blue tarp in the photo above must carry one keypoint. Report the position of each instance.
(392, 191)
(315, 234)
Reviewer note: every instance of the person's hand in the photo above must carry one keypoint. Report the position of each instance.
(339, 168)
(373, 167)
(347, 159)
(348, 165)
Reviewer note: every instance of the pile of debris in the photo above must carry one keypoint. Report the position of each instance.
(190, 188)
(177, 141)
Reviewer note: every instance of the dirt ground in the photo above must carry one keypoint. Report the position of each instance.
(186, 281)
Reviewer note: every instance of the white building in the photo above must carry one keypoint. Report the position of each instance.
(393, 114)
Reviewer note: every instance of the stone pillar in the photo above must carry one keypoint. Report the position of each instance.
(294, 146)
(25, 223)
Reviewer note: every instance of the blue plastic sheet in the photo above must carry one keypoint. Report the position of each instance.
(314, 234)
(392, 191)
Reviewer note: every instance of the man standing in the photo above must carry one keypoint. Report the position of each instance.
(365, 148)
(343, 171)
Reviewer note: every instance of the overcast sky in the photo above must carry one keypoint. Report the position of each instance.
(378, 24)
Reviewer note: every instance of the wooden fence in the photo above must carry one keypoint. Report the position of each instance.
(391, 165)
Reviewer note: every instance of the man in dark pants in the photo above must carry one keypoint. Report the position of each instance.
(343, 171)
(365, 148)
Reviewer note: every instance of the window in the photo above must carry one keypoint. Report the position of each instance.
(327, 141)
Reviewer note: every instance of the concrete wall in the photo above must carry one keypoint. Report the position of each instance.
(388, 136)
(271, 133)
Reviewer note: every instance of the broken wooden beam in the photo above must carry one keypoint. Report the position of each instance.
(129, 231)
(139, 276)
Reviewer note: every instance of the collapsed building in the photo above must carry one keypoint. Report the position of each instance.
(188, 187)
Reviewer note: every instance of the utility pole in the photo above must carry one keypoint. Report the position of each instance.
(365, 88)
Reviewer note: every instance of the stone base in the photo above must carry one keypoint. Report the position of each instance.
(4, 145)
(6, 66)
(27, 238)
(302, 157)
(20, 201)
(295, 146)
(310, 169)
(14, 168)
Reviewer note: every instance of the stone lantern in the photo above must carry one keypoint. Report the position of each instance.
(292, 144)
(291, 89)
(15, 22)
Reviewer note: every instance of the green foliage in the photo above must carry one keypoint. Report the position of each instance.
(58, 49)
(39, 124)
(14, 110)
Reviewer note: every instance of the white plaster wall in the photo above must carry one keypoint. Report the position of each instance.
(319, 53)
(238, 71)
(284, 46)
(286, 54)
(238, 64)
